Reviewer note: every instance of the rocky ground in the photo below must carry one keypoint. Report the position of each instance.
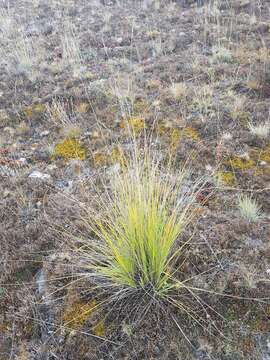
(75, 76)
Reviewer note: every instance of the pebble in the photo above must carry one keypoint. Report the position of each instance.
(44, 133)
(22, 161)
(51, 167)
(64, 184)
(39, 175)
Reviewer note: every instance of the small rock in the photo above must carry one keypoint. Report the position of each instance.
(208, 167)
(114, 169)
(226, 136)
(51, 167)
(39, 175)
(119, 40)
(245, 156)
(22, 161)
(6, 193)
(64, 184)
(44, 133)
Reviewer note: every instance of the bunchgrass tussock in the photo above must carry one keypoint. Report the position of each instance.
(261, 130)
(249, 208)
(137, 226)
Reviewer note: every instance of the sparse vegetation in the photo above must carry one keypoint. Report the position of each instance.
(134, 179)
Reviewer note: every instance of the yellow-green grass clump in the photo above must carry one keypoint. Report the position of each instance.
(136, 228)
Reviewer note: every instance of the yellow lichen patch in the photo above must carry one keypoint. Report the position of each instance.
(141, 108)
(175, 135)
(265, 170)
(4, 327)
(163, 128)
(69, 148)
(117, 153)
(118, 156)
(242, 116)
(261, 154)
(172, 132)
(109, 157)
(77, 313)
(265, 154)
(136, 124)
(100, 158)
(240, 163)
(253, 85)
(99, 329)
(34, 110)
(190, 132)
(82, 107)
(225, 177)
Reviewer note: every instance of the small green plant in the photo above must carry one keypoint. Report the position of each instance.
(249, 208)
(137, 229)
